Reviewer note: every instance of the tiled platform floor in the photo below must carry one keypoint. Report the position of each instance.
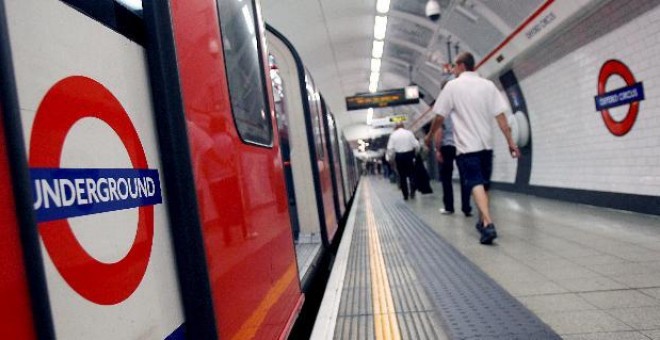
(588, 272)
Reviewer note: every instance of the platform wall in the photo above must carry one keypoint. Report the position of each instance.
(574, 155)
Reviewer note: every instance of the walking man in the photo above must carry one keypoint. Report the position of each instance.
(445, 154)
(475, 102)
(404, 144)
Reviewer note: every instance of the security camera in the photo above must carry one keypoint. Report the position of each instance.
(433, 10)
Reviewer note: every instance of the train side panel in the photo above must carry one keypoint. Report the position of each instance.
(15, 309)
(237, 168)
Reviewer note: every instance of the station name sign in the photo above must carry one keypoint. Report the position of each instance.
(394, 97)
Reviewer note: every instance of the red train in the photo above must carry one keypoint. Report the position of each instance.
(163, 175)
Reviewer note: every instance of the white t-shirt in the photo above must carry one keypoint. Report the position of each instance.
(402, 140)
(475, 102)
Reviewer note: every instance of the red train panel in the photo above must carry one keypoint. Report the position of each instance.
(240, 186)
(15, 308)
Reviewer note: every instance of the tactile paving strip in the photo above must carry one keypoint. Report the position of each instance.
(355, 316)
(471, 304)
(415, 314)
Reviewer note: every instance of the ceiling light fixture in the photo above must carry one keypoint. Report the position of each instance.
(377, 51)
(383, 6)
(375, 76)
(380, 27)
(375, 65)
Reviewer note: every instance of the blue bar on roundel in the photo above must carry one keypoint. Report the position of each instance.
(622, 96)
(60, 193)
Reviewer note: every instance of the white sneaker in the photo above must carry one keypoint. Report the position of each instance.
(445, 212)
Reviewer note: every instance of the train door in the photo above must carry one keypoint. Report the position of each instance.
(333, 142)
(322, 168)
(283, 118)
(328, 126)
(237, 167)
(88, 124)
(309, 241)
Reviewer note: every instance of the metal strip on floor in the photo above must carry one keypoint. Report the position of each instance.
(470, 304)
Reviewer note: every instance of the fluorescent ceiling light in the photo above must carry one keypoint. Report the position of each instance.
(370, 116)
(380, 26)
(375, 65)
(373, 87)
(375, 76)
(383, 6)
(377, 51)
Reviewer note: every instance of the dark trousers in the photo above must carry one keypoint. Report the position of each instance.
(405, 166)
(446, 172)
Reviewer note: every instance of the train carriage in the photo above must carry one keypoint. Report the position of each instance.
(145, 177)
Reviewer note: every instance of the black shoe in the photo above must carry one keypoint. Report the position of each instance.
(488, 234)
(467, 214)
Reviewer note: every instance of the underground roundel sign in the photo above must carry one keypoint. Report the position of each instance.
(63, 193)
(630, 95)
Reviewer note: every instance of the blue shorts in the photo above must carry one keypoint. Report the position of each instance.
(476, 168)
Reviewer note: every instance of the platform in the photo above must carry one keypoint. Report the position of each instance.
(557, 270)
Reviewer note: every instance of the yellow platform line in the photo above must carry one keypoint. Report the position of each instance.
(250, 327)
(386, 325)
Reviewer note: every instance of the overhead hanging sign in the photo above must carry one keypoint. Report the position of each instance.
(403, 96)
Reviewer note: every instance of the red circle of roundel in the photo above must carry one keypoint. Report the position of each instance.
(68, 101)
(610, 68)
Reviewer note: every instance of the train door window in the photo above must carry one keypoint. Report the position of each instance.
(314, 101)
(242, 50)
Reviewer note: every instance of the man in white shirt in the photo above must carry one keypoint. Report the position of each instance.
(475, 102)
(403, 143)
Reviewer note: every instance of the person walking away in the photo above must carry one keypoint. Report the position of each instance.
(403, 144)
(445, 153)
(475, 102)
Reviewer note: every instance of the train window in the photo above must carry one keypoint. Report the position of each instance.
(245, 71)
(318, 132)
(121, 16)
(314, 100)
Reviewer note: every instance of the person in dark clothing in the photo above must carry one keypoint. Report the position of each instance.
(445, 155)
(403, 144)
(422, 180)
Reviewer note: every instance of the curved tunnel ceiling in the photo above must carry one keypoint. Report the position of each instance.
(334, 39)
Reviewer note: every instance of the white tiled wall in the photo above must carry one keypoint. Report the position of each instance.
(572, 147)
